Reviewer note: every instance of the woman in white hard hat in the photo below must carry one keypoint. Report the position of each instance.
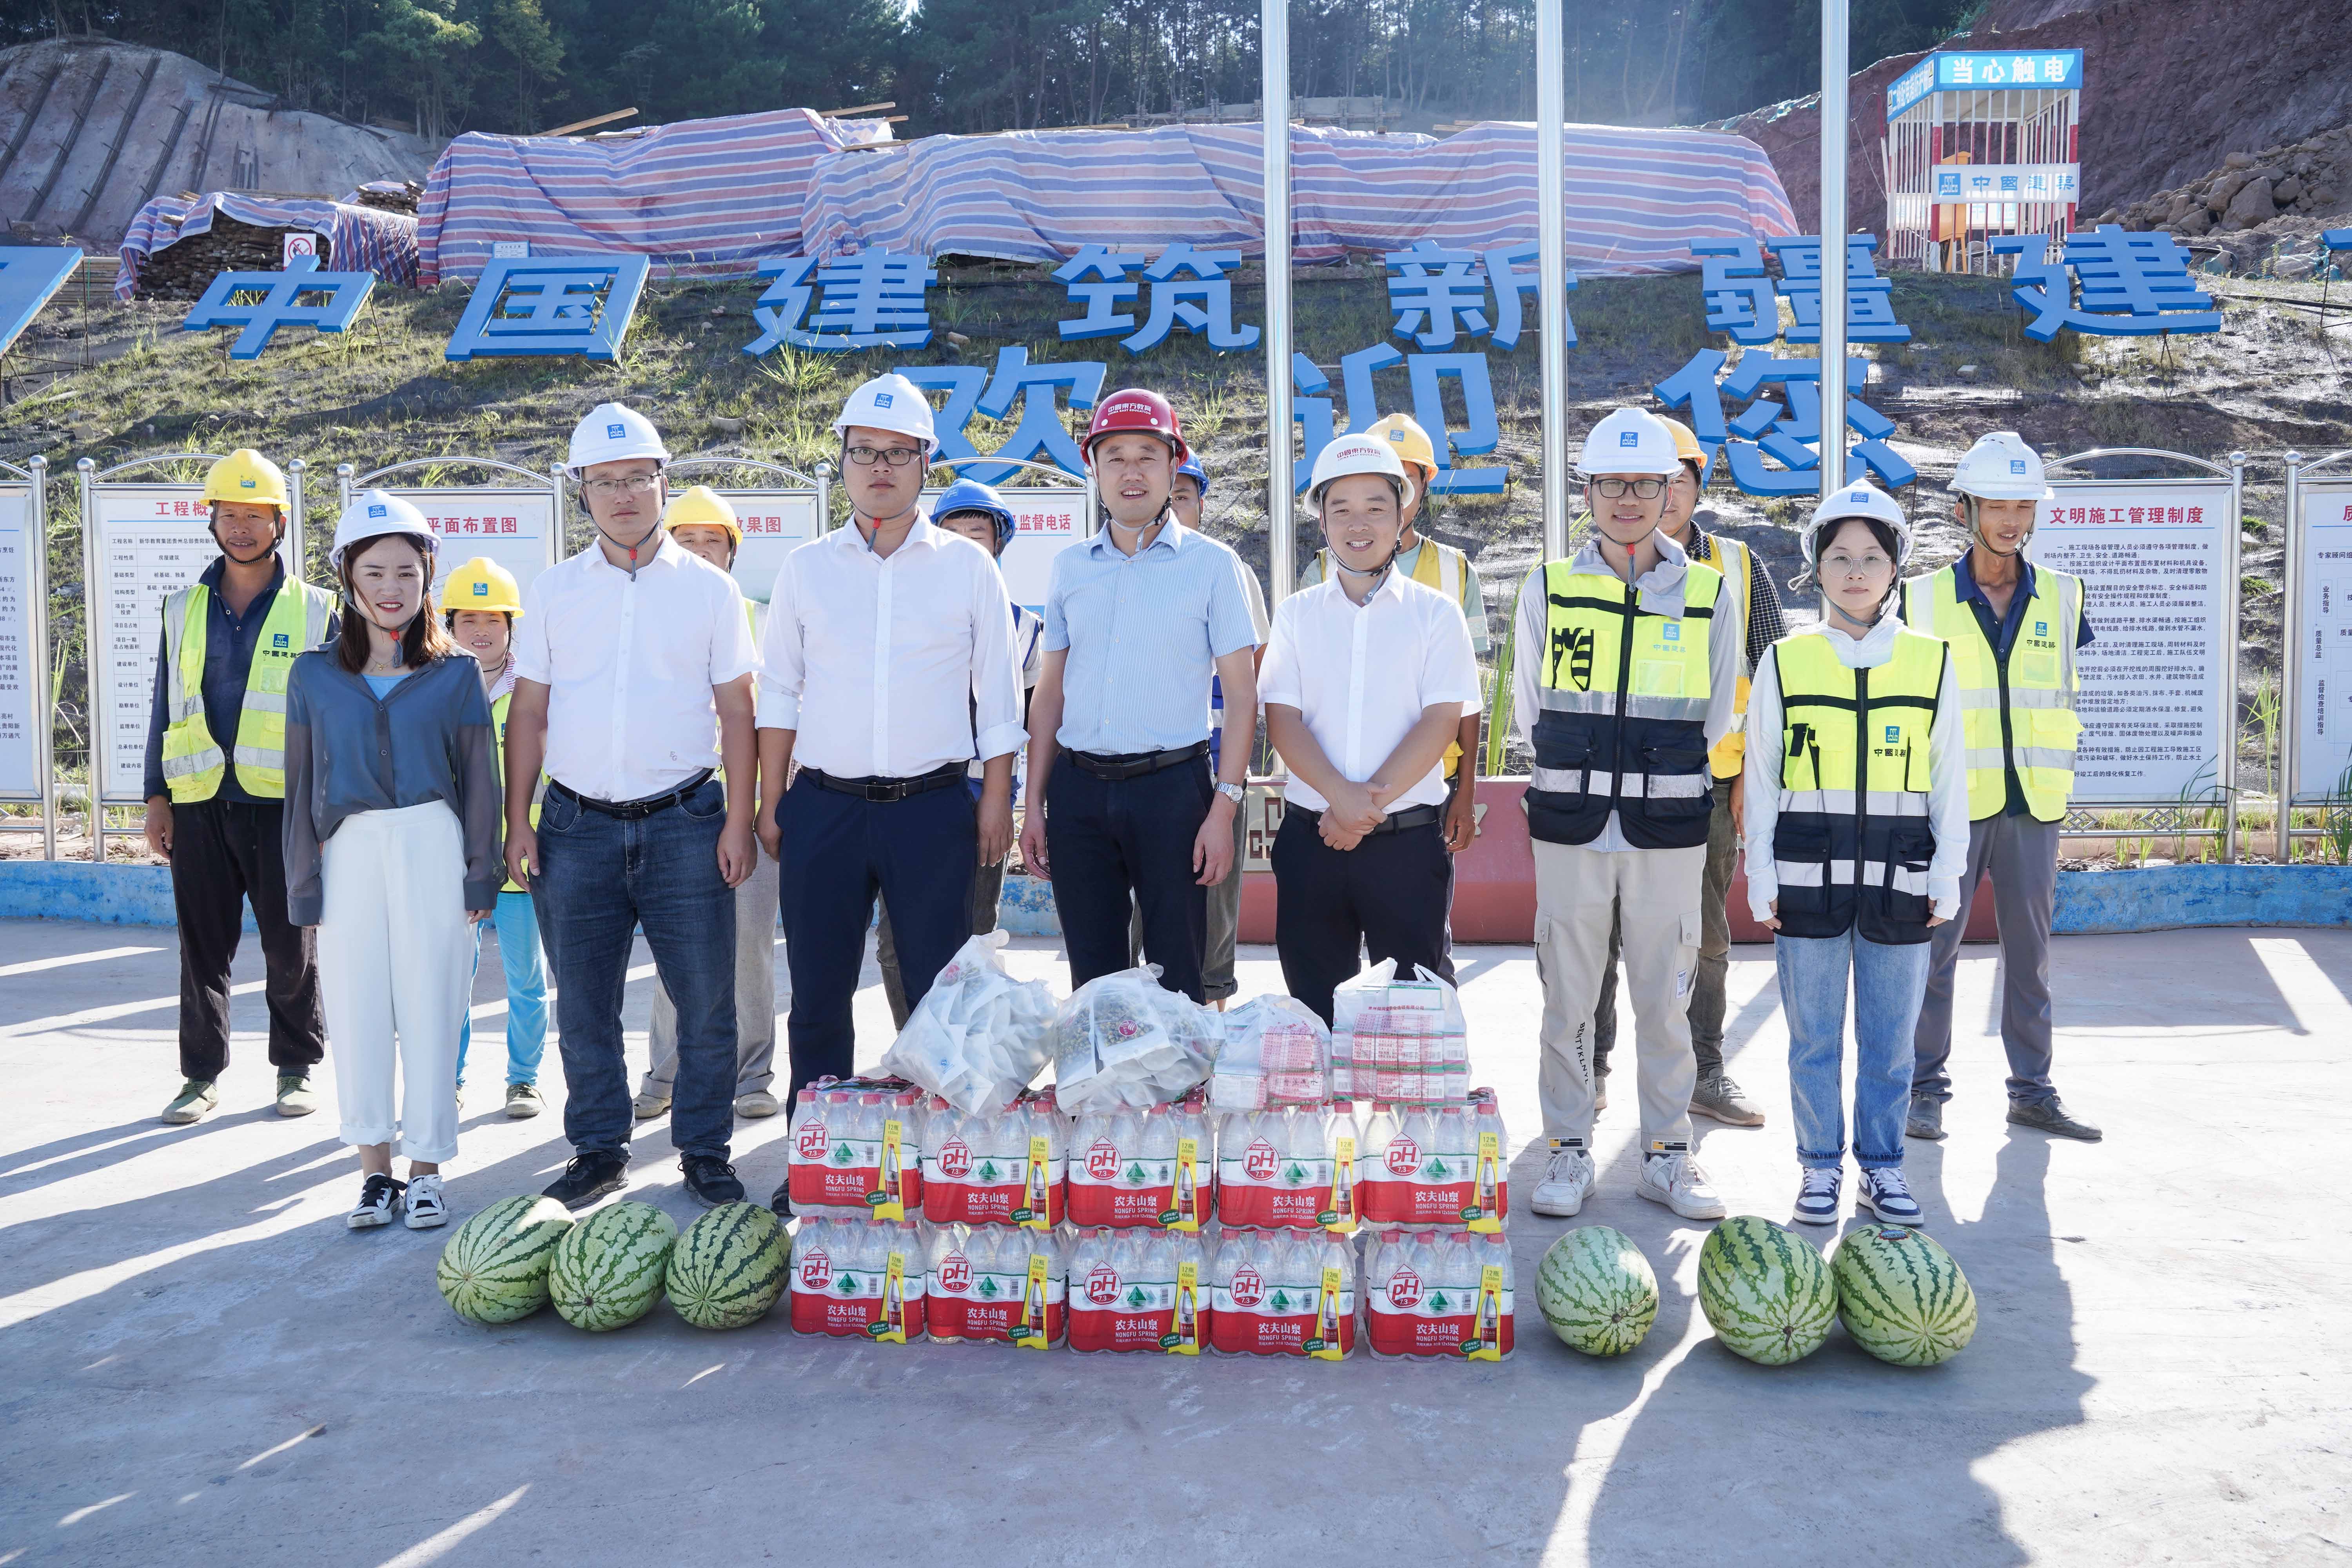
(393, 850)
(1857, 829)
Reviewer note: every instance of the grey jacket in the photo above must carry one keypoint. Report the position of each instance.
(429, 739)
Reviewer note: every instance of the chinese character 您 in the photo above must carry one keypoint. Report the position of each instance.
(1790, 435)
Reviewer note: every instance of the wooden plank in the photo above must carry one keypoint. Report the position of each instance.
(585, 124)
(859, 109)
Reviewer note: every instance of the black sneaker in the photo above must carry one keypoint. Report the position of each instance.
(2051, 1117)
(711, 1180)
(380, 1199)
(780, 1200)
(590, 1176)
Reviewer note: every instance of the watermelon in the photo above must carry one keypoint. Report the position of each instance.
(494, 1269)
(1902, 1297)
(609, 1267)
(729, 1267)
(1597, 1290)
(1767, 1292)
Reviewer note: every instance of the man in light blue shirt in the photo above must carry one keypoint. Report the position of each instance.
(1137, 620)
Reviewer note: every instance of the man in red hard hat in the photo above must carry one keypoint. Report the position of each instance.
(1138, 618)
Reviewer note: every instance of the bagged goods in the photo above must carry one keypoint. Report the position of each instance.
(608, 1268)
(1768, 1293)
(1276, 1169)
(1123, 1040)
(1902, 1297)
(1597, 1290)
(1442, 1165)
(1400, 1039)
(978, 1036)
(1148, 1168)
(987, 1283)
(855, 1149)
(494, 1269)
(1273, 1293)
(1439, 1294)
(1137, 1290)
(858, 1278)
(1002, 1167)
(728, 1267)
(1276, 1052)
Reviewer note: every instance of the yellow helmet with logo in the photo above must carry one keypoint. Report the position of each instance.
(244, 475)
(1686, 444)
(701, 504)
(481, 584)
(1410, 442)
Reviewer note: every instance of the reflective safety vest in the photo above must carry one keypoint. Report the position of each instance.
(1731, 561)
(1438, 566)
(1623, 727)
(1853, 841)
(2016, 712)
(193, 760)
(499, 705)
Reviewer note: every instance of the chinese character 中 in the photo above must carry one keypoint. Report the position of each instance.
(1040, 436)
(2134, 285)
(29, 275)
(550, 305)
(1314, 411)
(337, 297)
(1869, 298)
(1790, 434)
(871, 300)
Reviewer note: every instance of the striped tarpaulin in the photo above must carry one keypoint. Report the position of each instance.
(1635, 198)
(702, 198)
(359, 239)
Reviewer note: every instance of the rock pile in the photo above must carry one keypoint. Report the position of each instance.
(2257, 208)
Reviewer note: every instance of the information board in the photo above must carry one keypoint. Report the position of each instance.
(2158, 560)
(20, 776)
(1045, 522)
(514, 527)
(775, 523)
(2323, 697)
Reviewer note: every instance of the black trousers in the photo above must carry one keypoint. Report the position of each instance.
(1109, 841)
(1389, 895)
(223, 853)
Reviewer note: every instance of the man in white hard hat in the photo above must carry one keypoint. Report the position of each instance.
(633, 684)
(1627, 671)
(1367, 676)
(2014, 629)
(888, 667)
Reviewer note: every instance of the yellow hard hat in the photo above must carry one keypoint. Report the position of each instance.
(701, 504)
(1686, 444)
(1410, 442)
(482, 583)
(244, 475)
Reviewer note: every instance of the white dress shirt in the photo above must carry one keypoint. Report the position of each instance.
(1361, 675)
(885, 667)
(629, 663)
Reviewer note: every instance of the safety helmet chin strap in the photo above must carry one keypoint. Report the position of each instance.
(277, 539)
(1976, 530)
(650, 545)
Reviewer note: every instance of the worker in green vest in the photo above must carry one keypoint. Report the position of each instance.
(215, 784)
(2014, 629)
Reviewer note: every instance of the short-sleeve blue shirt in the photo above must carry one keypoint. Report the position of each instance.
(1143, 634)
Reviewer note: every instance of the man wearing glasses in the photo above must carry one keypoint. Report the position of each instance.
(633, 665)
(886, 667)
(1627, 671)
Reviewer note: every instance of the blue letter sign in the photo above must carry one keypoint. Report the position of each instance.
(2134, 285)
(29, 274)
(280, 303)
(872, 299)
(550, 305)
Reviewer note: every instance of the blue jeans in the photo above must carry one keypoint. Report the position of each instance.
(600, 879)
(518, 924)
(1888, 982)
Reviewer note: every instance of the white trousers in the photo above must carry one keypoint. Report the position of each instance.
(395, 962)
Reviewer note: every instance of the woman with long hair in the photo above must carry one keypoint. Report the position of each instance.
(394, 849)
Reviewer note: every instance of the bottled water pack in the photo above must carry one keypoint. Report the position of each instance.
(861, 1278)
(997, 1285)
(855, 1149)
(1137, 1290)
(1444, 1294)
(1283, 1293)
(1436, 1165)
(1289, 1169)
(1151, 1168)
(1000, 1167)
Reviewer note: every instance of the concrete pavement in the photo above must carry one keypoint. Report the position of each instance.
(199, 1364)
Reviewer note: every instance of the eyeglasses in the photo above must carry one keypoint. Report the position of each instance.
(1643, 489)
(896, 457)
(1854, 566)
(635, 485)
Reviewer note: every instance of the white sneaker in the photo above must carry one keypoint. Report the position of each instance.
(1675, 1181)
(1567, 1176)
(379, 1201)
(1885, 1193)
(427, 1209)
(1817, 1199)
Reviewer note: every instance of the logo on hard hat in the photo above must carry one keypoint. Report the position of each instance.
(1397, 437)
(881, 400)
(1858, 494)
(1629, 438)
(481, 590)
(377, 512)
(246, 485)
(615, 432)
(2017, 465)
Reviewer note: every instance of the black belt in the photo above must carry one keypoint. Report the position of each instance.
(882, 791)
(1134, 764)
(631, 810)
(1394, 821)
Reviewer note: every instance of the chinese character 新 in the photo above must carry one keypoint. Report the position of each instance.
(1312, 408)
(1434, 293)
(336, 300)
(871, 300)
(570, 305)
(2133, 285)
(1790, 434)
(1040, 436)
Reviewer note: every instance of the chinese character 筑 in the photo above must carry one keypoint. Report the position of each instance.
(1039, 437)
(339, 297)
(1312, 409)
(1790, 434)
(1869, 298)
(1098, 278)
(2134, 285)
(550, 305)
(871, 300)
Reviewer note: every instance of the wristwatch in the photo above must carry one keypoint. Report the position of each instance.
(1233, 792)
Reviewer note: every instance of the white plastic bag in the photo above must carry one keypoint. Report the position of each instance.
(978, 1036)
(1123, 1040)
(1276, 1052)
(1402, 1040)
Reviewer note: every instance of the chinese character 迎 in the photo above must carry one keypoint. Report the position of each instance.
(1313, 410)
(550, 305)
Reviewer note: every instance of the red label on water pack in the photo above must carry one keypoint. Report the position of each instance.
(1110, 1313)
(955, 1159)
(1124, 1192)
(1408, 1319)
(828, 1299)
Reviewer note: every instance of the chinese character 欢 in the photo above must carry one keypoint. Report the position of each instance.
(1040, 436)
(550, 305)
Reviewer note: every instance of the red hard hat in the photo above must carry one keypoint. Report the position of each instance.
(1134, 408)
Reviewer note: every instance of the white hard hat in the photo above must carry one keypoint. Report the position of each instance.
(1365, 454)
(1630, 441)
(373, 513)
(614, 432)
(2002, 467)
(890, 402)
(1860, 499)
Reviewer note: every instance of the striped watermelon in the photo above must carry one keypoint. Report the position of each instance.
(1768, 1293)
(1597, 1290)
(1902, 1297)
(609, 1267)
(729, 1267)
(494, 1269)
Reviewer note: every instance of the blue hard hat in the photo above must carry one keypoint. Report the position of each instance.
(1192, 465)
(970, 495)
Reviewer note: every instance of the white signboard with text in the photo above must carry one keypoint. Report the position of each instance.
(20, 777)
(1045, 522)
(2322, 698)
(2157, 689)
(514, 527)
(775, 523)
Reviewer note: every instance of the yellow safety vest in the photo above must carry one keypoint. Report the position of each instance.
(2016, 712)
(193, 760)
(1438, 566)
(1624, 727)
(1853, 840)
(499, 705)
(1731, 560)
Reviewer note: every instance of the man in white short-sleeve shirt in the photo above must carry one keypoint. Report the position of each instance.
(634, 664)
